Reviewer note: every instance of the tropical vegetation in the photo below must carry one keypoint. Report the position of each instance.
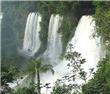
(13, 28)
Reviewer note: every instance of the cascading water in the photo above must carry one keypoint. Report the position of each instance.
(1, 16)
(54, 46)
(31, 41)
(83, 43)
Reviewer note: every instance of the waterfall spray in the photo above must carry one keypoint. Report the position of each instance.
(82, 42)
(54, 45)
(31, 41)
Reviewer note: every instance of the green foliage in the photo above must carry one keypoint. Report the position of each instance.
(67, 29)
(68, 84)
(70, 11)
(8, 74)
(13, 26)
(102, 18)
(36, 67)
(23, 90)
(61, 89)
(101, 81)
(15, 13)
(44, 32)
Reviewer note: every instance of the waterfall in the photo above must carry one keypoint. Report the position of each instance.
(83, 43)
(31, 41)
(1, 16)
(54, 45)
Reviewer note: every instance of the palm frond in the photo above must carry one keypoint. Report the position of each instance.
(26, 82)
(37, 63)
(29, 68)
(46, 68)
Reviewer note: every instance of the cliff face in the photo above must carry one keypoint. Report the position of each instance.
(87, 8)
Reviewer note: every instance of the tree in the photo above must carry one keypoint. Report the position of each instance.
(102, 18)
(8, 75)
(61, 89)
(35, 67)
(69, 83)
(100, 84)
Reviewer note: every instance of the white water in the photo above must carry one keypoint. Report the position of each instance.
(83, 43)
(31, 41)
(1, 17)
(54, 45)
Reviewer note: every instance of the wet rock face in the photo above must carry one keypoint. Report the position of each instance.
(87, 8)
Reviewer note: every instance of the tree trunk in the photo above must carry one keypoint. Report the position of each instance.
(38, 82)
